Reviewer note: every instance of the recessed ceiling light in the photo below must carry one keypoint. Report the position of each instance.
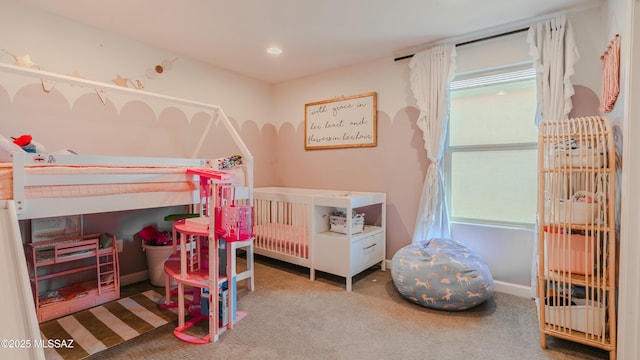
(274, 51)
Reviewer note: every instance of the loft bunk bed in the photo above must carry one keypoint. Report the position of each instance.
(48, 185)
(44, 185)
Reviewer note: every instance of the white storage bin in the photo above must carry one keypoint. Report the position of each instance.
(156, 255)
(339, 224)
(588, 317)
(573, 211)
(581, 157)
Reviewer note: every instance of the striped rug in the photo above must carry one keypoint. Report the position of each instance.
(104, 326)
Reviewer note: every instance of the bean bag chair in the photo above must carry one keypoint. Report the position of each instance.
(441, 274)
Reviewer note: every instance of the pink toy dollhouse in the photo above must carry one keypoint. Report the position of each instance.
(196, 262)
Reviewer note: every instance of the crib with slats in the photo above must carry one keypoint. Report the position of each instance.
(283, 225)
(294, 225)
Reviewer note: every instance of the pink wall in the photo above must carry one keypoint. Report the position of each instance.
(396, 166)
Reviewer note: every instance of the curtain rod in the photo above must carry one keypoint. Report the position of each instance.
(473, 41)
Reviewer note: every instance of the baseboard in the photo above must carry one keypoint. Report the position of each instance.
(500, 286)
(513, 289)
(134, 278)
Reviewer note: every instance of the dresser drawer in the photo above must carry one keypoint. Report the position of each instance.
(367, 252)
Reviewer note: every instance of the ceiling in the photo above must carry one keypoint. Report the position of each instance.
(315, 35)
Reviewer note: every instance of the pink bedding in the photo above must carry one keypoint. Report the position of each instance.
(80, 190)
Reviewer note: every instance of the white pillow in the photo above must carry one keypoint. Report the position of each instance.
(6, 148)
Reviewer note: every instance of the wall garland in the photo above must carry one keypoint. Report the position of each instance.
(134, 82)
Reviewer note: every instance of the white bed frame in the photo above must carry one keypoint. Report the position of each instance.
(34, 207)
(37, 208)
(31, 208)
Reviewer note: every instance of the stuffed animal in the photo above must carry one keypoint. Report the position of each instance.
(27, 144)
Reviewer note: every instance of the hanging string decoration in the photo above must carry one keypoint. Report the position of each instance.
(151, 73)
(25, 61)
(159, 69)
(123, 81)
(610, 75)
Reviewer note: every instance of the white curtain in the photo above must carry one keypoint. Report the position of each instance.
(554, 52)
(431, 72)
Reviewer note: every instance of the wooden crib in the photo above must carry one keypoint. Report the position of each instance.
(292, 225)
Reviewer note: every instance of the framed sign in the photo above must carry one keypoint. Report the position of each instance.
(341, 123)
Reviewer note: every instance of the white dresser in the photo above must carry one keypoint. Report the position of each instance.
(348, 254)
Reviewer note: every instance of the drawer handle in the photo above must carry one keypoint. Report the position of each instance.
(369, 247)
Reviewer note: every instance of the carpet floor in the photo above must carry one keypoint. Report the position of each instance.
(291, 317)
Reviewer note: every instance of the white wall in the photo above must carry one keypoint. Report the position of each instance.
(61, 46)
(386, 77)
(508, 251)
(623, 17)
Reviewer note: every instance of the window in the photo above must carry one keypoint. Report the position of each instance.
(491, 154)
